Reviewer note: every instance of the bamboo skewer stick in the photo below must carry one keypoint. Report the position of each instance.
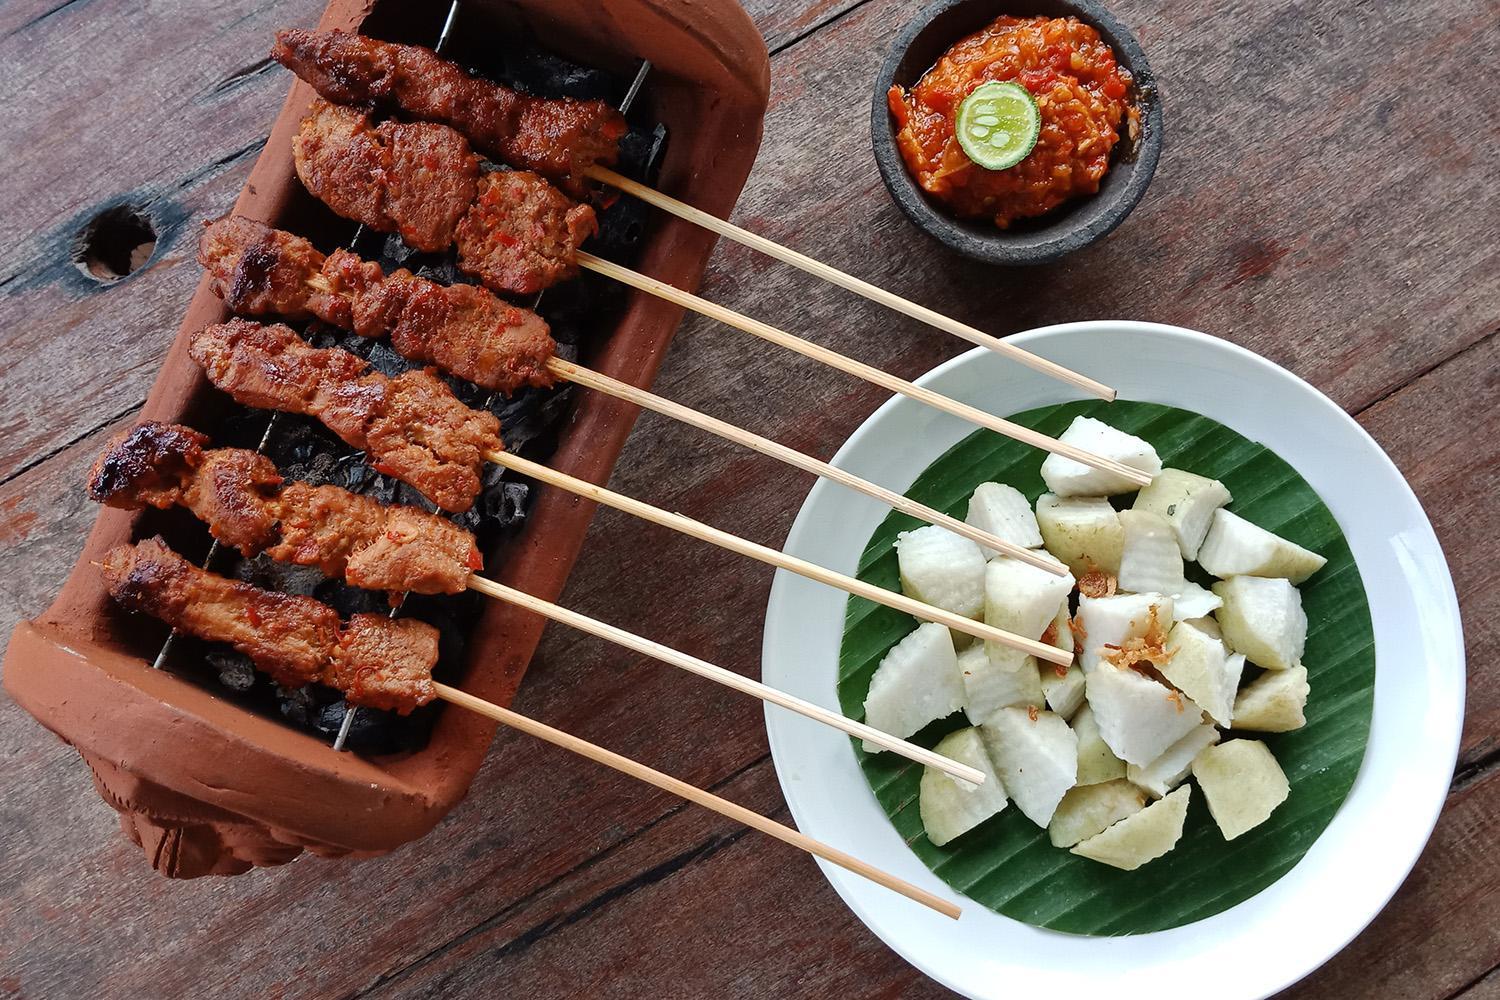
(774, 557)
(859, 369)
(572, 372)
(696, 795)
(728, 678)
(847, 281)
(640, 397)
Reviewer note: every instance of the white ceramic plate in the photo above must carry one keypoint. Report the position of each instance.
(1278, 936)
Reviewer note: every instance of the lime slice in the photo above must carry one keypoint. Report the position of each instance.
(998, 125)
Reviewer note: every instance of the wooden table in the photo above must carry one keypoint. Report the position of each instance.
(1328, 197)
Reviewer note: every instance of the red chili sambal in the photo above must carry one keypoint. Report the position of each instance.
(1080, 91)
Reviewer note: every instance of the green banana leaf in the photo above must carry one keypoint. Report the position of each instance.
(1007, 863)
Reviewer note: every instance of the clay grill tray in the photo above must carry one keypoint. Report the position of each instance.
(203, 782)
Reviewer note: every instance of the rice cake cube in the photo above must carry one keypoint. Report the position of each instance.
(1242, 783)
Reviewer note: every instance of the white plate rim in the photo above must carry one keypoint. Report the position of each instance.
(1100, 962)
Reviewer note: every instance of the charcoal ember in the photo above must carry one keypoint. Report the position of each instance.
(394, 253)
(373, 732)
(530, 413)
(503, 507)
(263, 571)
(304, 449)
(641, 151)
(621, 227)
(349, 601)
(299, 706)
(533, 70)
(235, 670)
(451, 614)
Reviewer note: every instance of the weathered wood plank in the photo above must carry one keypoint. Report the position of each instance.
(1442, 930)
(93, 124)
(1453, 464)
(1360, 259)
(691, 908)
(1487, 988)
(781, 23)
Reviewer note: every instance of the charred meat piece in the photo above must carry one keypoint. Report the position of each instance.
(463, 330)
(260, 271)
(239, 495)
(556, 137)
(145, 466)
(412, 426)
(385, 663)
(412, 179)
(259, 274)
(235, 493)
(377, 661)
(371, 545)
(159, 465)
(514, 230)
(522, 234)
(289, 637)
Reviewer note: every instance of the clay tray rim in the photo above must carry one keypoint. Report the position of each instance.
(706, 166)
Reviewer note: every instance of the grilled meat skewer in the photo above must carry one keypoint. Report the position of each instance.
(242, 498)
(513, 229)
(556, 137)
(378, 662)
(434, 173)
(463, 330)
(412, 426)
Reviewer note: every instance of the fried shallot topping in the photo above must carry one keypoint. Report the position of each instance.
(1143, 651)
(1080, 634)
(1096, 583)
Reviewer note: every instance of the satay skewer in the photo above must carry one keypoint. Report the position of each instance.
(844, 280)
(858, 369)
(495, 225)
(245, 503)
(774, 557)
(383, 663)
(698, 796)
(799, 460)
(414, 428)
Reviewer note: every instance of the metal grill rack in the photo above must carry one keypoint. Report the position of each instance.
(277, 424)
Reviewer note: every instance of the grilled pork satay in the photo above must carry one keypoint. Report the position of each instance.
(240, 496)
(463, 330)
(514, 230)
(433, 174)
(376, 661)
(555, 137)
(412, 426)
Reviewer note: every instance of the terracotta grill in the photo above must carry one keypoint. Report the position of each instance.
(207, 784)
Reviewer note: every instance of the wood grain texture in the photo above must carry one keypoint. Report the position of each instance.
(1487, 988)
(1306, 207)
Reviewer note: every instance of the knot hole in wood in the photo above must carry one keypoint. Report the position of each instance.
(116, 242)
